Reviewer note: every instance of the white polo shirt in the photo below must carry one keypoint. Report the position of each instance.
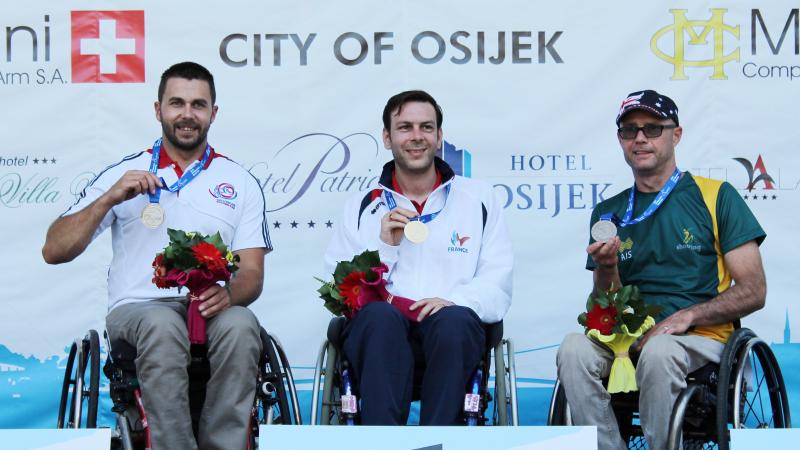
(223, 197)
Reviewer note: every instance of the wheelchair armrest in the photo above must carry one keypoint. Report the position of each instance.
(494, 333)
(336, 330)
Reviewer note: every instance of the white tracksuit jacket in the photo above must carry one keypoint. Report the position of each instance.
(467, 258)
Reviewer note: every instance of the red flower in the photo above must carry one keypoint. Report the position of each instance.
(602, 319)
(351, 288)
(206, 254)
(159, 261)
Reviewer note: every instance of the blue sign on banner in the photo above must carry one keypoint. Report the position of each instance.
(427, 438)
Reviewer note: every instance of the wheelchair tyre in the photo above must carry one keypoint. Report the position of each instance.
(502, 400)
(767, 405)
(330, 390)
(558, 414)
(77, 388)
(274, 369)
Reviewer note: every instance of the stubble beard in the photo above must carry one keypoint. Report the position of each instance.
(188, 147)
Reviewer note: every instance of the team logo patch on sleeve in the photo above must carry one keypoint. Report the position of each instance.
(225, 193)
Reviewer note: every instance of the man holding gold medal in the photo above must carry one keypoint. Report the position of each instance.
(681, 239)
(444, 241)
(181, 183)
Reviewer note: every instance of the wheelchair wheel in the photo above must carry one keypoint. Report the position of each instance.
(505, 390)
(559, 413)
(275, 385)
(79, 390)
(274, 404)
(330, 407)
(750, 393)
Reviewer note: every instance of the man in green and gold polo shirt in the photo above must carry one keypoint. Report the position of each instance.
(691, 245)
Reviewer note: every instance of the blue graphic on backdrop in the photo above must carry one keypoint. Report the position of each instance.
(30, 391)
(30, 388)
(459, 160)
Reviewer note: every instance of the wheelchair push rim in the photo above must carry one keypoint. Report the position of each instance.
(77, 392)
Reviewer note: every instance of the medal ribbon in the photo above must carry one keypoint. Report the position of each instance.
(392, 204)
(187, 177)
(662, 195)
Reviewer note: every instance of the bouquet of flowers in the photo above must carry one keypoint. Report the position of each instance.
(358, 282)
(616, 318)
(197, 262)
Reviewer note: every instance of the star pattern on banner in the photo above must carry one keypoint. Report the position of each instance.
(755, 197)
(51, 160)
(296, 224)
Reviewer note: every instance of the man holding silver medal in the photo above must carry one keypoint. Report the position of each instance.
(181, 183)
(444, 241)
(681, 239)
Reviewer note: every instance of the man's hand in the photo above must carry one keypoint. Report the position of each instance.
(678, 323)
(69, 235)
(392, 225)
(430, 306)
(605, 254)
(214, 300)
(133, 183)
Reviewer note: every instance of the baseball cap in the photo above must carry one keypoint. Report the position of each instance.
(650, 101)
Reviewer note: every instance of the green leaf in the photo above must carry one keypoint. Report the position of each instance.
(367, 260)
(216, 241)
(582, 319)
(603, 301)
(590, 303)
(634, 321)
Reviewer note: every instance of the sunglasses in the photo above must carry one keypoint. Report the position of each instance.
(650, 130)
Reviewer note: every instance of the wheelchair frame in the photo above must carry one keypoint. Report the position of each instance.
(331, 369)
(712, 402)
(275, 397)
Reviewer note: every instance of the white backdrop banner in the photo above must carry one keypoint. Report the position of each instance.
(530, 91)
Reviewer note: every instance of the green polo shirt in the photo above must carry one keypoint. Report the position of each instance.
(673, 256)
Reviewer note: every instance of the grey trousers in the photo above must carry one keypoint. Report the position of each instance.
(158, 331)
(660, 374)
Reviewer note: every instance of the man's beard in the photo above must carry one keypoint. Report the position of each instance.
(172, 136)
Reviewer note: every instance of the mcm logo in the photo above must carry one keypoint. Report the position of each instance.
(683, 28)
(751, 171)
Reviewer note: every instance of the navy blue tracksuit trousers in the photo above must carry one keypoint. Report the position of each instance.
(378, 345)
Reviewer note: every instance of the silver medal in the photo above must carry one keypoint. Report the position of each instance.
(153, 215)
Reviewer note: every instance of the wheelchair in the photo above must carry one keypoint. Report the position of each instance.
(339, 404)
(745, 390)
(274, 399)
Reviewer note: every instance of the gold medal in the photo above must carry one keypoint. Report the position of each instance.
(416, 231)
(153, 215)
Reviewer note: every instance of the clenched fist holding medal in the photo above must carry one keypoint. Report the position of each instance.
(401, 222)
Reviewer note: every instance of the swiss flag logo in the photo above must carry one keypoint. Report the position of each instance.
(107, 46)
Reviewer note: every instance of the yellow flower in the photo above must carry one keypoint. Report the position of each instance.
(229, 256)
(623, 375)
